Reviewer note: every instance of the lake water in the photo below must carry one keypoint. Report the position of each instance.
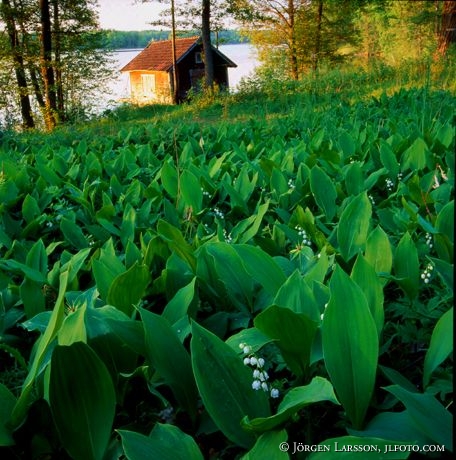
(244, 55)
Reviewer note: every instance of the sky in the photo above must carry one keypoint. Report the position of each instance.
(127, 14)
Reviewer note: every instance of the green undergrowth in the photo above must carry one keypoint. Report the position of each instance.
(232, 275)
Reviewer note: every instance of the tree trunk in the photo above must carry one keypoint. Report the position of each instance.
(447, 32)
(206, 37)
(292, 39)
(316, 57)
(175, 79)
(19, 68)
(47, 71)
(58, 64)
(33, 71)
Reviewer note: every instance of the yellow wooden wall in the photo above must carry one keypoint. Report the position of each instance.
(162, 87)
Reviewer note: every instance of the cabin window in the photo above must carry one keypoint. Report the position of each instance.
(148, 84)
(198, 57)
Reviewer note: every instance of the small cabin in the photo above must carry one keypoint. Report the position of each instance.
(151, 71)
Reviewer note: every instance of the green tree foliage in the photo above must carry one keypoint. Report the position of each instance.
(298, 36)
(120, 39)
(13, 17)
(395, 32)
(58, 77)
(137, 39)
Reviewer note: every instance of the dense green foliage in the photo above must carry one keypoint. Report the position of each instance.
(119, 39)
(52, 73)
(297, 37)
(216, 279)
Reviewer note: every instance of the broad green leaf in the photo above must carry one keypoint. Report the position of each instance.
(46, 172)
(354, 226)
(268, 446)
(296, 295)
(7, 402)
(278, 182)
(293, 332)
(406, 266)
(37, 257)
(133, 193)
(225, 386)
(444, 224)
(354, 180)
(378, 251)
(190, 189)
(32, 297)
(428, 414)
(319, 389)
(261, 267)
(244, 184)
(397, 378)
(363, 274)
(106, 268)
(252, 337)
(179, 305)
(373, 178)
(324, 192)
(73, 328)
(41, 354)
(388, 159)
(165, 442)
(31, 273)
(110, 334)
(445, 270)
(82, 401)
(353, 447)
(252, 230)
(169, 178)
(129, 332)
(32, 291)
(169, 357)
(236, 200)
(128, 288)
(231, 271)
(30, 209)
(38, 322)
(441, 345)
(176, 242)
(75, 263)
(73, 234)
(414, 157)
(216, 164)
(109, 226)
(317, 140)
(8, 192)
(347, 144)
(127, 228)
(318, 271)
(350, 346)
(445, 134)
(397, 426)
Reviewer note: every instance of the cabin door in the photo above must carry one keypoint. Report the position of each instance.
(196, 78)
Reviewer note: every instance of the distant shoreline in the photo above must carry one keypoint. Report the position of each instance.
(139, 39)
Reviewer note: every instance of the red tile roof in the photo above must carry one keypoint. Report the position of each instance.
(158, 55)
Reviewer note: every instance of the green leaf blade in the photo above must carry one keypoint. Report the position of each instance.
(82, 400)
(353, 226)
(350, 346)
(215, 362)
